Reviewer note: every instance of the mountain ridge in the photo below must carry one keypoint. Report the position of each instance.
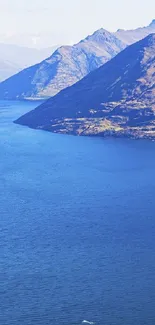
(64, 67)
(116, 99)
(134, 35)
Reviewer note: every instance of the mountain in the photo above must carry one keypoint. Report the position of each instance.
(117, 99)
(15, 58)
(132, 36)
(64, 67)
(44, 80)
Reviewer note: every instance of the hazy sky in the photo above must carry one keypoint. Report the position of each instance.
(70, 20)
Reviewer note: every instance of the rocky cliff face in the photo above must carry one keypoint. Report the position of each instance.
(65, 67)
(116, 99)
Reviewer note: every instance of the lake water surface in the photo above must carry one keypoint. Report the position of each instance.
(77, 227)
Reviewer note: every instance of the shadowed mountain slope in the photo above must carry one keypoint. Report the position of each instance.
(116, 99)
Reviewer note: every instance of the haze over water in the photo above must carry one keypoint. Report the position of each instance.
(77, 227)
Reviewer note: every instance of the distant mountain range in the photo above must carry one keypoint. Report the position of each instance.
(132, 36)
(43, 40)
(117, 99)
(15, 58)
(64, 67)
(34, 40)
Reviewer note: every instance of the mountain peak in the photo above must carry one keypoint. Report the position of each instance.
(99, 35)
(101, 31)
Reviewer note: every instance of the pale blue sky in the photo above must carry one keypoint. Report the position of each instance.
(70, 20)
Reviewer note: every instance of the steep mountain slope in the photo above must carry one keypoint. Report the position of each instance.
(132, 36)
(116, 99)
(15, 58)
(65, 67)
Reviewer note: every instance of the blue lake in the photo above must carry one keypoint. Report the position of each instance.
(77, 227)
